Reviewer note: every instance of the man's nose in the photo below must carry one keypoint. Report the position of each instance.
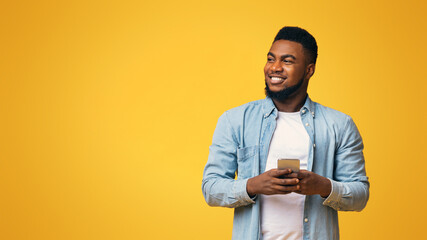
(277, 66)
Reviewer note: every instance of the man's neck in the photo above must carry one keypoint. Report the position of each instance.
(291, 104)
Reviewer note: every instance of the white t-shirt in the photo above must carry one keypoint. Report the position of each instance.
(282, 215)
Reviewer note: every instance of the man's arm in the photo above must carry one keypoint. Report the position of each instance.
(350, 185)
(349, 191)
(219, 185)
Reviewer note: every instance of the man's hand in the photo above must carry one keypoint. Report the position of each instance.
(269, 183)
(311, 183)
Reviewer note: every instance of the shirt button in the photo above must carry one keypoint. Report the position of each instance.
(305, 219)
(303, 111)
(314, 145)
(306, 124)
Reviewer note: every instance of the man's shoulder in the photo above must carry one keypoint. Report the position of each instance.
(252, 107)
(328, 111)
(331, 116)
(248, 113)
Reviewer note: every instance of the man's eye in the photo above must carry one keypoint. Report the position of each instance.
(287, 61)
(270, 59)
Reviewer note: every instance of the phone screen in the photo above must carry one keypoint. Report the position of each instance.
(293, 164)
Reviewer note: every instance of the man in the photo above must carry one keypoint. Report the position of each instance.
(248, 140)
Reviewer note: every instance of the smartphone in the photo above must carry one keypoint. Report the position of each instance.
(293, 164)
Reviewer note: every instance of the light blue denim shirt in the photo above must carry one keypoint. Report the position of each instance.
(240, 147)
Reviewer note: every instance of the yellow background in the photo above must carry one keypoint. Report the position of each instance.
(108, 109)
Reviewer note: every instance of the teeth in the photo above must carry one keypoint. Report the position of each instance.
(276, 78)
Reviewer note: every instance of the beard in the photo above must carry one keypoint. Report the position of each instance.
(284, 93)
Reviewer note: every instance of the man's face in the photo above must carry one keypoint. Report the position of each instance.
(285, 70)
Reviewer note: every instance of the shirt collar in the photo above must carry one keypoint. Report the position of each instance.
(309, 106)
(269, 107)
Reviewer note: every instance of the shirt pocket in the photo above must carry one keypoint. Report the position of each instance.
(247, 162)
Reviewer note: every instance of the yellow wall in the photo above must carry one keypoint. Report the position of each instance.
(108, 108)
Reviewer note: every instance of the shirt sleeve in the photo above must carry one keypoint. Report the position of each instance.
(219, 186)
(350, 185)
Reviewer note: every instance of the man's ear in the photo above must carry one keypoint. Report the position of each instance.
(309, 70)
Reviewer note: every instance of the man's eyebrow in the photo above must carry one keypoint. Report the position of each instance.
(283, 56)
(271, 54)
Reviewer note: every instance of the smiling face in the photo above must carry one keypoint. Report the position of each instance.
(287, 70)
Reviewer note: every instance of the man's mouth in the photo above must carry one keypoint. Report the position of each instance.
(277, 80)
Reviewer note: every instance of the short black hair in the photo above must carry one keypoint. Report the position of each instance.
(301, 36)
